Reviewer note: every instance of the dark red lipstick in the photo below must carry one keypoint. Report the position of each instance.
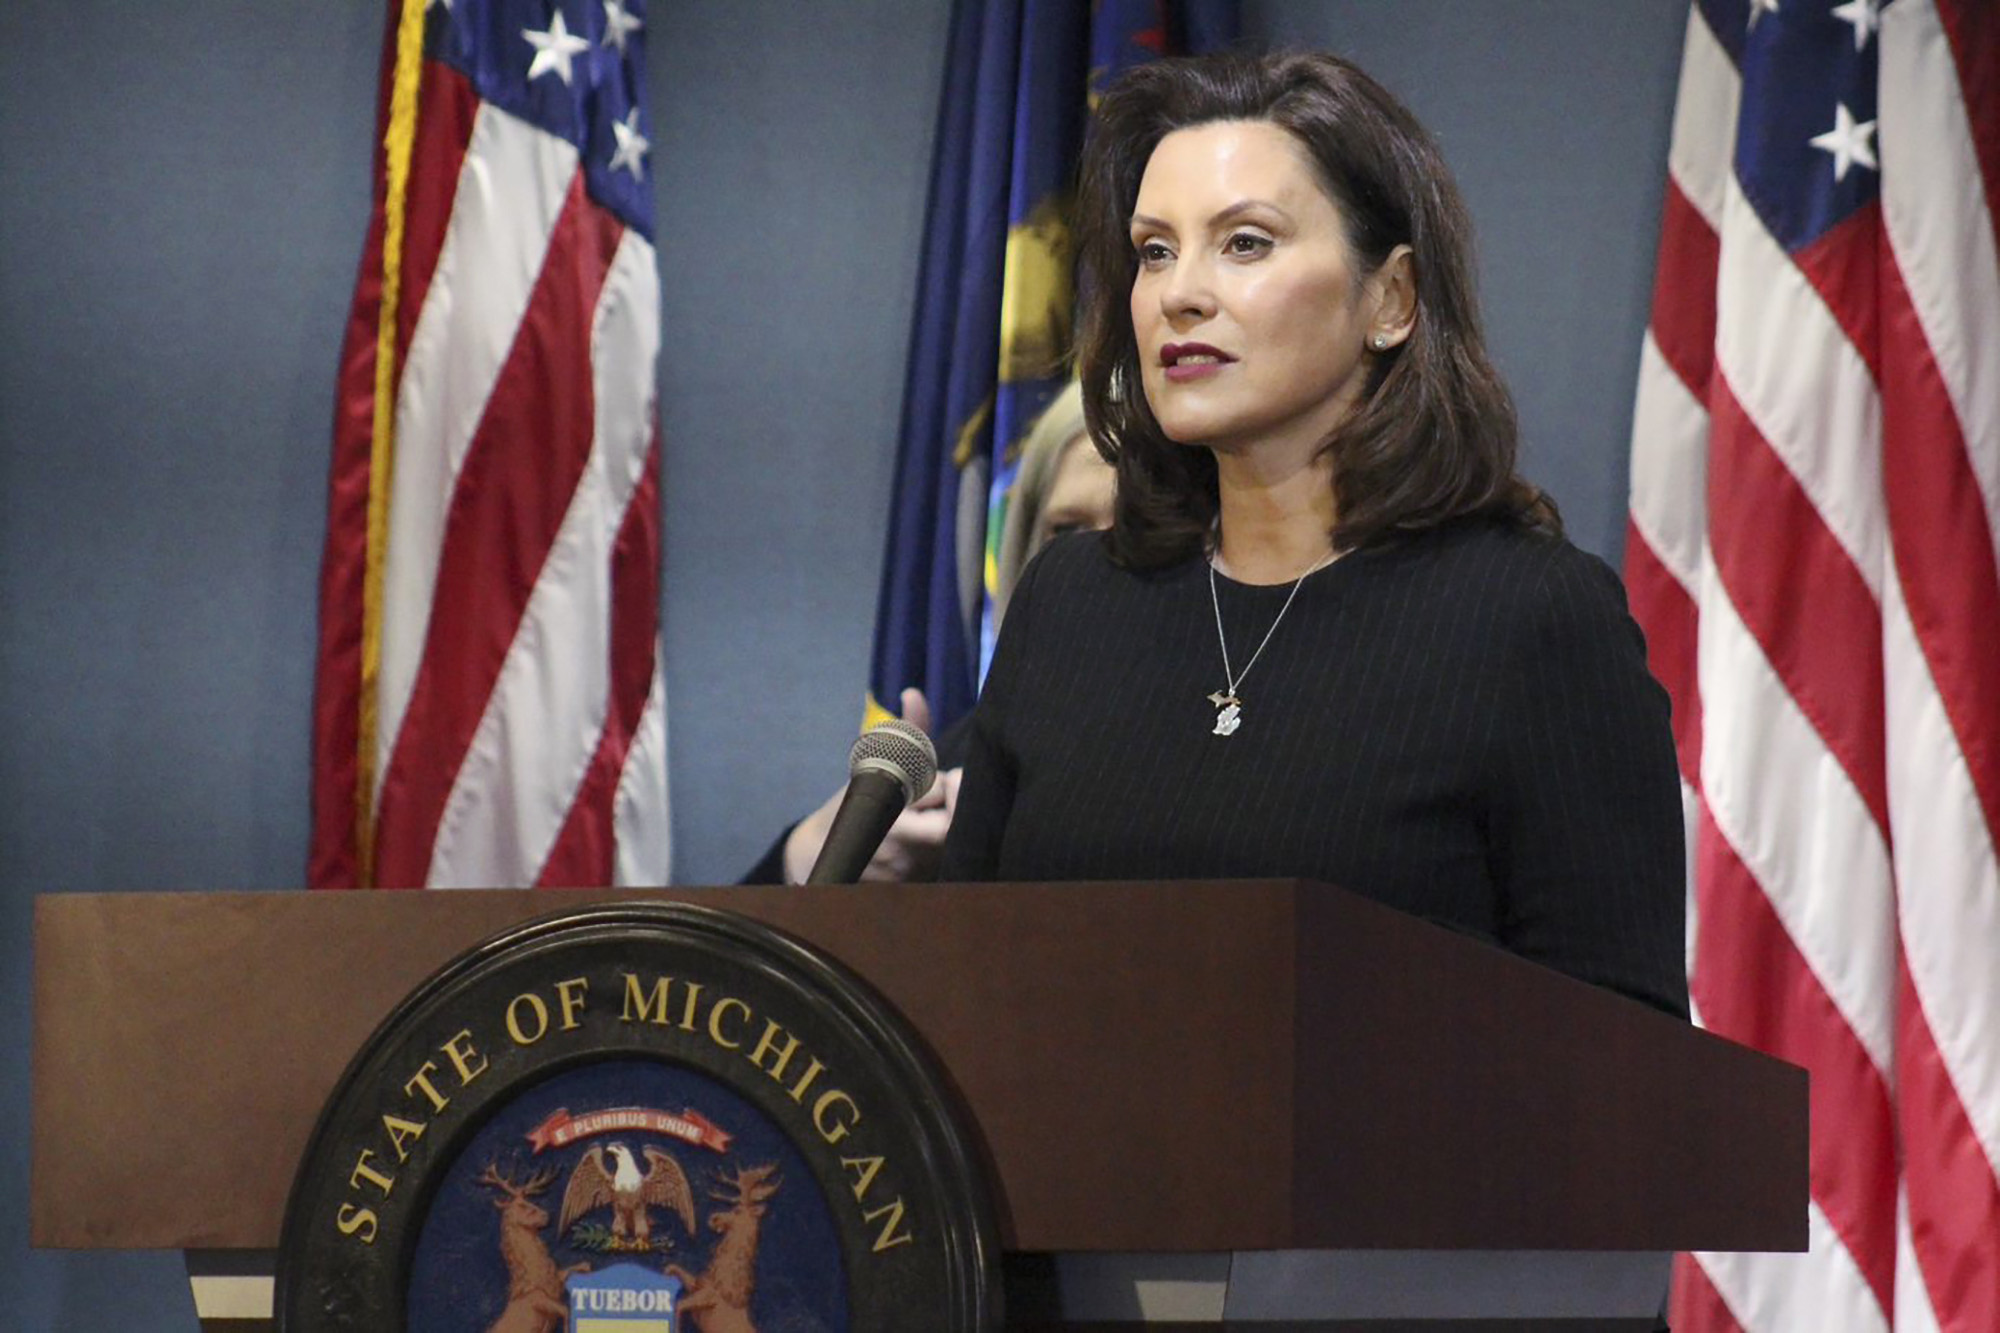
(1192, 361)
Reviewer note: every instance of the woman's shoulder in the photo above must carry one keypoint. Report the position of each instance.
(1514, 590)
(1078, 564)
(1074, 553)
(1521, 567)
(1053, 583)
(1073, 590)
(1068, 588)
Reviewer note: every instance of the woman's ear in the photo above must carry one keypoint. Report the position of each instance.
(1392, 293)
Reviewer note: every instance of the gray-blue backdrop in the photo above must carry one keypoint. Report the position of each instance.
(185, 189)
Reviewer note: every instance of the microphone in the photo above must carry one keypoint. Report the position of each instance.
(891, 765)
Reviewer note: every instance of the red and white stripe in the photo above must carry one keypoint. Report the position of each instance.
(521, 728)
(1812, 552)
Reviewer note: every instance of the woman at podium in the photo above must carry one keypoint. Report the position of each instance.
(1331, 632)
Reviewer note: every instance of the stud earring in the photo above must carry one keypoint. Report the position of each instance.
(1380, 342)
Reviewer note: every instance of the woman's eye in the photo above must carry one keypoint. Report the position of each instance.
(1245, 244)
(1154, 253)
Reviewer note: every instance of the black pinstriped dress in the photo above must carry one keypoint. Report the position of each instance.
(1459, 724)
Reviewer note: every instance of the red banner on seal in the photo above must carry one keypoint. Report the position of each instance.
(690, 1126)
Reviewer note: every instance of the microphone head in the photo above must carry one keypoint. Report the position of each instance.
(899, 750)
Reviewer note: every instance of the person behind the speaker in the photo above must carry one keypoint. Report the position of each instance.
(1062, 486)
(1331, 632)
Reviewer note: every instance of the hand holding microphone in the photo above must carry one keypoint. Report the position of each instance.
(891, 766)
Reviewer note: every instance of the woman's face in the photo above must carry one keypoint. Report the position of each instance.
(1080, 495)
(1249, 315)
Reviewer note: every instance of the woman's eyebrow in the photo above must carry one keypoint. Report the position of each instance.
(1229, 214)
(1242, 206)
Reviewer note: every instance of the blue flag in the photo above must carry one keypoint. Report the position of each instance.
(990, 344)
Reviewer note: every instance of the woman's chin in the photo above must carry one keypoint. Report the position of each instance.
(1190, 428)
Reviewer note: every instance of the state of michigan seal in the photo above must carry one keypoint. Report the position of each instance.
(640, 1118)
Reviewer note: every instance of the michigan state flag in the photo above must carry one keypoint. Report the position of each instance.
(991, 339)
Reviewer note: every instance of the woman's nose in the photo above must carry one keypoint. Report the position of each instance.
(1189, 292)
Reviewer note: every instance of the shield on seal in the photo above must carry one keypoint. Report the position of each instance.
(623, 1298)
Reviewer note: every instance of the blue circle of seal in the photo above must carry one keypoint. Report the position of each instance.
(461, 1279)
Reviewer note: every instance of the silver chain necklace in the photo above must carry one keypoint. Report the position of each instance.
(1228, 707)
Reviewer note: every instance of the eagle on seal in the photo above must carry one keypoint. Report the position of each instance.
(628, 1193)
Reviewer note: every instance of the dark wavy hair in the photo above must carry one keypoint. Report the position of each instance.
(1434, 436)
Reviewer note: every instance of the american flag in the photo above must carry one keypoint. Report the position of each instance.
(490, 707)
(1815, 503)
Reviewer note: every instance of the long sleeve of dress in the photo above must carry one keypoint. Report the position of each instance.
(1585, 832)
(986, 794)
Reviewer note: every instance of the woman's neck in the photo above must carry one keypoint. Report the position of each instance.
(1276, 516)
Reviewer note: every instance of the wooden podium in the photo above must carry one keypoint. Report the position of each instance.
(1171, 1068)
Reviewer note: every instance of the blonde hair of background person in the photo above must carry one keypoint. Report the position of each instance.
(1063, 485)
